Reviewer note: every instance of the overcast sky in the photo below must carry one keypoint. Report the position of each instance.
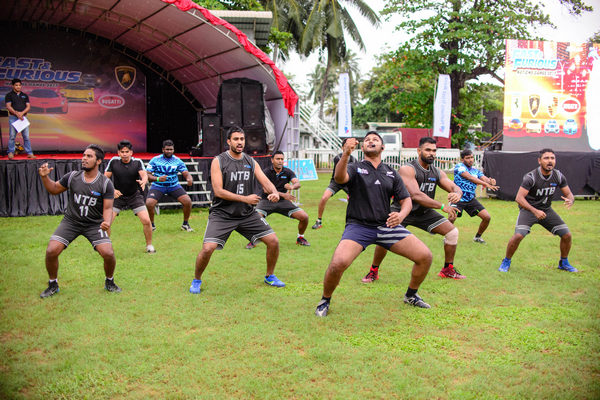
(377, 41)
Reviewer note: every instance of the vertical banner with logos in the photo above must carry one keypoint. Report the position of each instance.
(344, 106)
(552, 94)
(442, 107)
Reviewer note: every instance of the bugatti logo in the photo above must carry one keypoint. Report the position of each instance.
(571, 106)
(125, 76)
(111, 101)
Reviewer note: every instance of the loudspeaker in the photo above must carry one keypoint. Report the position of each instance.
(230, 104)
(212, 137)
(253, 108)
(256, 141)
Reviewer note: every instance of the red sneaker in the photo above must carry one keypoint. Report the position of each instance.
(372, 276)
(451, 273)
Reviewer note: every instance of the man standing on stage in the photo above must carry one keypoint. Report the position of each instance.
(88, 213)
(130, 179)
(284, 179)
(467, 177)
(535, 207)
(331, 190)
(369, 220)
(421, 178)
(162, 172)
(17, 104)
(233, 175)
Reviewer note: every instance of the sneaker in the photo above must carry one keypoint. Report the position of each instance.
(195, 287)
(416, 300)
(565, 266)
(31, 156)
(150, 249)
(505, 266)
(153, 227)
(111, 286)
(450, 272)
(317, 225)
(272, 280)
(250, 245)
(186, 227)
(372, 276)
(479, 240)
(302, 242)
(51, 290)
(322, 308)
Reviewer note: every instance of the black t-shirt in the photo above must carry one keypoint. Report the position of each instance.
(18, 101)
(86, 200)
(371, 191)
(541, 188)
(125, 175)
(279, 179)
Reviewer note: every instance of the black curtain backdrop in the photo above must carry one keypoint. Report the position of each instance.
(582, 171)
(23, 194)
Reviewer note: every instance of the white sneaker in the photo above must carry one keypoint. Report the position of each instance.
(150, 249)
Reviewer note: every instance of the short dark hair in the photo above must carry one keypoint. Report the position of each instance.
(124, 143)
(168, 142)
(427, 139)
(233, 129)
(374, 133)
(546, 150)
(276, 152)
(465, 153)
(98, 150)
(16, 80)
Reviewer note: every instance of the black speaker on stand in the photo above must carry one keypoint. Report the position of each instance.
(229, 103)
(212, 136)
(256, 141)
(253, 105)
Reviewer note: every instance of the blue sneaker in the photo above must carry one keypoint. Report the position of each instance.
(565, 266)
(504, 267)
(272, 280)
(195, 288)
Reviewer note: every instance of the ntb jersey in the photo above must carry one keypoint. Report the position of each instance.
(541, 189)
(238, 178)
(86, 200)
(427, 179)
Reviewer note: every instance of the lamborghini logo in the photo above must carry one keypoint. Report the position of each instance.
(125, 76)
(534, 104)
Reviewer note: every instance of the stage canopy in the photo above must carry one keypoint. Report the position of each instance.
(181, 41)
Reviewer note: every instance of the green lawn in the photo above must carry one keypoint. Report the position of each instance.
(530, 333)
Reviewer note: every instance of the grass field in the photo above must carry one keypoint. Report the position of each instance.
(530, 333)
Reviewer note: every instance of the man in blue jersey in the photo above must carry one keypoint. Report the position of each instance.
(162, 172)
(467, 177)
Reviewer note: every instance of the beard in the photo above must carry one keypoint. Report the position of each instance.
(428, 160)
(87, 169)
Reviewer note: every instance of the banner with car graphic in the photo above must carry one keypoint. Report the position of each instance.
(551, 96)
(80, 90)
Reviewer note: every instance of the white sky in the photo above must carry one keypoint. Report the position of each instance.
(377, 41)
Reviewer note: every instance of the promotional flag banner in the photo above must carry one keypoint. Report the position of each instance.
(344, 106)
(442, 107)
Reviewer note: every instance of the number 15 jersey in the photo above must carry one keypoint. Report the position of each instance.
(238, 178)
(86, 200)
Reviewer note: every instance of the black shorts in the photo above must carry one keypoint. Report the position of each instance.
(380, 235)
(335, 187)
(283, 207)
(427, 221)
(472, 207)
(553, 222)
(133, 202)
(218, 228)
(68, 231)
(157, 192)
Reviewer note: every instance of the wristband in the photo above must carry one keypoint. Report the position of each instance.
(442, 206)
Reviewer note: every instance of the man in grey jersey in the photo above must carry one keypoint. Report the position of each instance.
(88, 213)
(535, 207)
(233, 175)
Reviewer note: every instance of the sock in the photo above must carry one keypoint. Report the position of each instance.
(563, 259)
(185, 223)
(300, 236)
(478, 235)
(374, 268)
(446, 265)
(327, 299)
(319, 220)
(52, 280)
(411, 292)
(507, 259)
(110, 279)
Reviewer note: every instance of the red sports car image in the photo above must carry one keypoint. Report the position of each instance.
(48, 101)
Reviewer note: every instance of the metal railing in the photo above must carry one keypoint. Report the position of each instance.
(318, 129)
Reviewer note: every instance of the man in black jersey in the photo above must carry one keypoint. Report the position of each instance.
(535, 207)
(369, 220)
(233, 175)
(331, 190)
(88, 213)
(284, 179)
(421, 178)
(130, 179)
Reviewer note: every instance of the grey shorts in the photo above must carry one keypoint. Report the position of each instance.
(553, 222)
(134, 202)
(427, 221)
(68, 231)
(218, 228)
(283, 207)
(335, 187)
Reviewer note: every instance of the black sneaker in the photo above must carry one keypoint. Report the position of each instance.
(322, 308)
(51, 290)
(111, 286)
(317, 225)
(416, 301)
(186, 227)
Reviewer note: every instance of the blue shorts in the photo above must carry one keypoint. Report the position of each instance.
(157, 192)
(381, 235)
